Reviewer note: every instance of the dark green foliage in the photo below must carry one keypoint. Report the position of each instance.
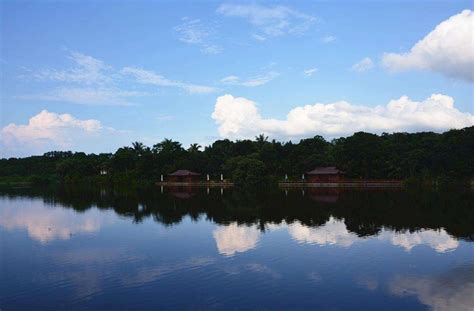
(425, 156)
(246, 171)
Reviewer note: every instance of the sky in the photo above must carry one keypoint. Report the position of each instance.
(93, 76)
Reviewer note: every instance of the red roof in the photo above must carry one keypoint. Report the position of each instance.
(327, 170)
(184, 173)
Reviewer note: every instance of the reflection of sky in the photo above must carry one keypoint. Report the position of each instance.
(231, 239)
(334, 232)
(179, 263)
(453, 290)
(48, 223)
(439, 240)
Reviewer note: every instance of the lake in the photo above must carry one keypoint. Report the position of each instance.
(183, 249)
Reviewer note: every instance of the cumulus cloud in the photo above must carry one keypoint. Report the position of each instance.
(195, 32)
(251, 82)
(364, 65)
(46, 131)
(448, 50)
(149, 77)
(270, 20)
(238, 117)
(233, 238)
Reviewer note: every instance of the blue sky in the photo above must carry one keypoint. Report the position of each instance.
(98, 75)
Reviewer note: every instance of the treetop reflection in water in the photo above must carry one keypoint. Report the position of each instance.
(192, 249)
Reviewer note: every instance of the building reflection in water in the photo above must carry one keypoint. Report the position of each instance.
(182, 192)
(324, 195)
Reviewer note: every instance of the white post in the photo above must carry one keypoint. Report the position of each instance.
(162, 189)
(302, 176)
(208, 190)
(222, 177)
(222, 191)
(161, 177)
(286, 177)
(207, 176)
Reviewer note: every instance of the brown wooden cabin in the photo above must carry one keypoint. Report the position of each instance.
(183, 176)
(328, 174)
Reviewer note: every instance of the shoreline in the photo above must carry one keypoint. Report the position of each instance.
(345, 184)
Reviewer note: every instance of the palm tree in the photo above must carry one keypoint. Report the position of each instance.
(138, 146)
(261, 139)
(167, 146)
(194, 148)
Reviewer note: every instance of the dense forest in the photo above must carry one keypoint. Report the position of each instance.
(424, 156)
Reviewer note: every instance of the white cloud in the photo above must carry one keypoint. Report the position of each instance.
(193, 31)
(46, 131)
(211, 49)
(328, 39)
(364, 65)
(165, 117)
(88, 70)
(270, 20)
(259, 37)
(88, 96)
(149, 77)
(448, 49)
(251, 82)
(233, 238)
(238, 117)
(310, 72)
(92, 82)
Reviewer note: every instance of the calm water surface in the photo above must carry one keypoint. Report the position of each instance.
(72, 249)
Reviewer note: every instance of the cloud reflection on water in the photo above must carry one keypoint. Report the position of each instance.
(234, 238)
(453, 290)
(48, 223)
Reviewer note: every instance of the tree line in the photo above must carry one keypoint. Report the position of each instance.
(424, 156)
